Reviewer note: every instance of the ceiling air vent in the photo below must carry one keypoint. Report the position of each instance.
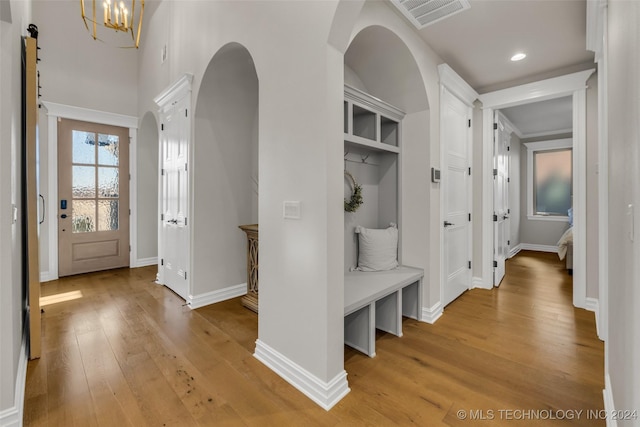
(422, 13)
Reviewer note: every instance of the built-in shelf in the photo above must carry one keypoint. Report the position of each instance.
(352, 140)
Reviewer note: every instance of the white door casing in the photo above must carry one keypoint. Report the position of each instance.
(455, 118)
(501, 211)
(174, 238)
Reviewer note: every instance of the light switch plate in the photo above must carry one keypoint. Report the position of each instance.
(291, 209)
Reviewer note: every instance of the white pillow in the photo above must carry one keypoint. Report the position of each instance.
(378, 249)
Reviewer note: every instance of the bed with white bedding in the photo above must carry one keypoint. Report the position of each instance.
(565, 248)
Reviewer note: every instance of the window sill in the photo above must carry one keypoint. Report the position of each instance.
(555, 218)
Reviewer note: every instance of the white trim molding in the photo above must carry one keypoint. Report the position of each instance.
(13, 416)
(571, 84)
(431, 314)
(538, 248)
(325, 394)
(54, 112)
(532, 148)
(542, 90)
(456, 85)
(200, 300)
(609, 405)
(515, 250)
(477, 283)
(144, 262)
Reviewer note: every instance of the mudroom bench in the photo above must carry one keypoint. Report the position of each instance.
(378, 300)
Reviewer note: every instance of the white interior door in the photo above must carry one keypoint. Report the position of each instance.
(455, 196)
(174, 189)
(501, 227)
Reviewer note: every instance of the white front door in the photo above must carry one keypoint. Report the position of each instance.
(501, 227)
(174, 195)
(455, 182)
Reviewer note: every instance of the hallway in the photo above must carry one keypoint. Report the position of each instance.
(122, 351)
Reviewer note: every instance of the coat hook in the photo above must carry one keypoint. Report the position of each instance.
(364, 158)
(345, 154)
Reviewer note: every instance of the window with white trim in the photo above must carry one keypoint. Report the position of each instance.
(549, 179)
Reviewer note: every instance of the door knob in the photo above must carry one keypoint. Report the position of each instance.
(505, 216)
(447, 224)
(173, 221)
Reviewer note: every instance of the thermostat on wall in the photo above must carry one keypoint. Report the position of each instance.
(435, 175)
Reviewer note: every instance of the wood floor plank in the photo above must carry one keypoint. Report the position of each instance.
(123, 351)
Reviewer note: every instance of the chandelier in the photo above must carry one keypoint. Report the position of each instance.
(118, 17)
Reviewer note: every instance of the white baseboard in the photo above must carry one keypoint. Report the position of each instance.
(197, 301)
(592, 304)
(45, 277)
(431, 314)
(325, 394)
(514, 250)
(12, 417)
(478, 283)
(143, 262)
(609, 406)
(539, 248)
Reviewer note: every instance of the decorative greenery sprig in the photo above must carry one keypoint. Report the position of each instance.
(356, 196)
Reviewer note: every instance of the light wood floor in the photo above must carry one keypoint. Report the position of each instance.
(129, 353)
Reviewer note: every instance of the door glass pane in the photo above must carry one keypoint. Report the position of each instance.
(107, 215)
(108, 149)
(84, 182)
(84, 147)
(553, 182)
(108, 182)
(83, 216)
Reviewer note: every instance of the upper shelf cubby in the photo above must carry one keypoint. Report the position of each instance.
(370, 122)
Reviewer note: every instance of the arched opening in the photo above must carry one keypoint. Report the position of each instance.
(147, 191)
(225, 162)
(379, 63)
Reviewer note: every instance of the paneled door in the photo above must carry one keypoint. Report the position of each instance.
(174, 197)
(93, 191)
(455, 196)
(501, 222)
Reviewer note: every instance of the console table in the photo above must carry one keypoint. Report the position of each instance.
(250, 300)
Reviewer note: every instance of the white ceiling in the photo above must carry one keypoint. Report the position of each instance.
(552, 117)
(479, 42)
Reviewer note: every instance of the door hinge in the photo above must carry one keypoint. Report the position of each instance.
(185, 275)
(129, 248)
(162, 261)
(508, 211)
(186, 115)
(469, 265)
(469, 216)
(129, 211)
(508, 179)
(495, 264)
(508, 242)
(508, 148)
(161, 217)
(162, 126)
(185, 221)
(162, 172)
(469, 122)
(495, 126)
(185, 166)
(495, 172)
(469, 170)
(495, 218)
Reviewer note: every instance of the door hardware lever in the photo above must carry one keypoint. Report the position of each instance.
(447, 224)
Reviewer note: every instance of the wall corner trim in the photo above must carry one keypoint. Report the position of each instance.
(478, 283)
(609, 406)
(431, 314)
(13, 416)
(515, 250)
(200, 300)
(325, 394)
(456, 85)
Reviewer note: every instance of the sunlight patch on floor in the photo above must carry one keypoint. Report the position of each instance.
(56, 298)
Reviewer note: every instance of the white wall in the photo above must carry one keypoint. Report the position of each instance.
(14, 18)
(593, 200)
(225, 169)
(623, 343)
(147, 188)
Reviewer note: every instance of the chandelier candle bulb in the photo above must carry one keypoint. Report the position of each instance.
(105, 11)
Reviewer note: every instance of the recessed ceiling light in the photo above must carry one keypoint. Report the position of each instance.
(518, 56)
